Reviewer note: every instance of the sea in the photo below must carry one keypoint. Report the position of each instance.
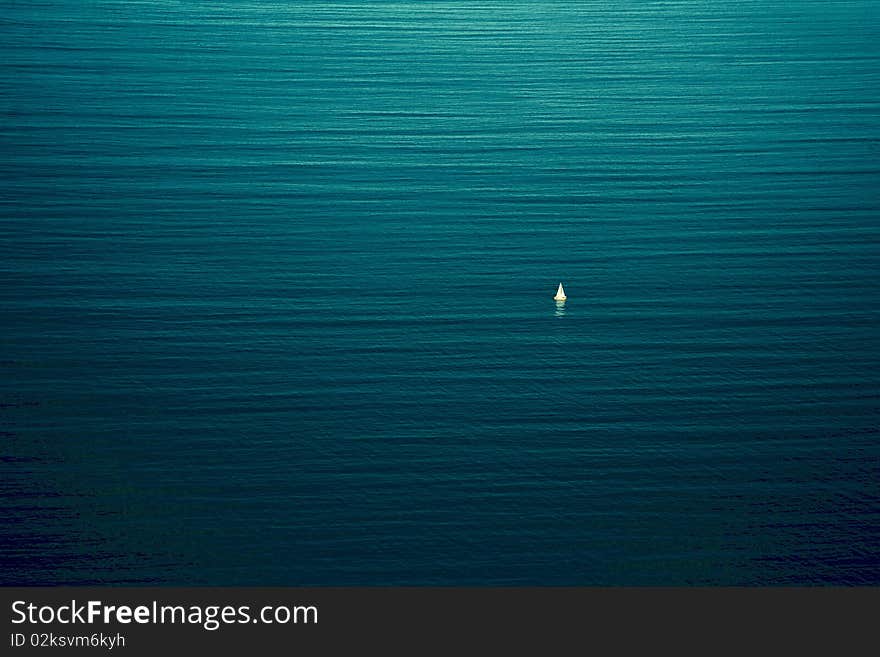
(277, 278)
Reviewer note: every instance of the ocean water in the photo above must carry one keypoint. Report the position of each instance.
(276, 283)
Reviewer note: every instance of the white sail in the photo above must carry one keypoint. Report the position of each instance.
(560, 294)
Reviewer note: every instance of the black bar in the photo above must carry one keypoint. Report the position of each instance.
(459, 620)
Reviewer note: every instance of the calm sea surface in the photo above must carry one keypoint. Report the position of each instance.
(276, 289)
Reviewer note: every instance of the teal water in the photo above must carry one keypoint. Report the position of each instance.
(276, 283)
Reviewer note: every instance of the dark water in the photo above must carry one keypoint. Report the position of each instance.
(276, 285)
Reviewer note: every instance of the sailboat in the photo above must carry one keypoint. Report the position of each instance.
(560, 294)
